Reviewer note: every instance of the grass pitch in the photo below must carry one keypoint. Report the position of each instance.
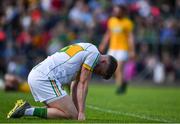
(140, 104)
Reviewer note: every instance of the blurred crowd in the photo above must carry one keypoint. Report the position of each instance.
(30, 30)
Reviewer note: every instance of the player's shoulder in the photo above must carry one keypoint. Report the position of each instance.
(127, 20)
(111, 19)
(88, 47)
(84, 45)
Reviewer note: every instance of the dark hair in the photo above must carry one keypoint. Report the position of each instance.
(123, 8)
(111, 67)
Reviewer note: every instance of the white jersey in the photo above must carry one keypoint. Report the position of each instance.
(65, 65)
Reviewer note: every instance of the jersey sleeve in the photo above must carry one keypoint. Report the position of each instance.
(91, 60)
(92, 48)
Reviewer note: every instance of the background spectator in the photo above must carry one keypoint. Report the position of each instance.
(32, 29)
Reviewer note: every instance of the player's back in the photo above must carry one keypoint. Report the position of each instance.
(65, 64)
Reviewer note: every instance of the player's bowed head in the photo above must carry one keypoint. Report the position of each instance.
(106, 66)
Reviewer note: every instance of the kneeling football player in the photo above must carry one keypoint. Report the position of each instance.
(72, 65)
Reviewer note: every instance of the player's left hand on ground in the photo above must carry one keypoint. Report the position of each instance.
(81, 116)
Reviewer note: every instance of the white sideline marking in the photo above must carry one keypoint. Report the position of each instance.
(127, 114)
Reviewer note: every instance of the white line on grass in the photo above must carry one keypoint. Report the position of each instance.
(127, 114)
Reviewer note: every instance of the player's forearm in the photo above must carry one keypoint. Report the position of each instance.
(104, 42)
(74, 93)
(105, 38)
(82, 89)
(131, 42)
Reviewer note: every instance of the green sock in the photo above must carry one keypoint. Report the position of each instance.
(40, 112)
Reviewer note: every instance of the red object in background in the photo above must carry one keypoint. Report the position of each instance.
(56, 4)
(23, 38)
(46, 37)
(129, 70)
(104, 24)
(36, 15)
(155, 11)
(2, 36)
(134, 7)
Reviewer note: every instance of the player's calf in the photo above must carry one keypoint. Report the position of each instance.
(65, 105)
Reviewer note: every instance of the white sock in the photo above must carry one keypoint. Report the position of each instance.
(29, 111)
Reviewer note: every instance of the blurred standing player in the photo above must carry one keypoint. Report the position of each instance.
(121, 45)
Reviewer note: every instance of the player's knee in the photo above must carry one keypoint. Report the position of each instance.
(68, 115)
(73, 115)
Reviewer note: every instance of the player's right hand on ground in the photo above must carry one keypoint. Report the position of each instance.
(81, 116)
